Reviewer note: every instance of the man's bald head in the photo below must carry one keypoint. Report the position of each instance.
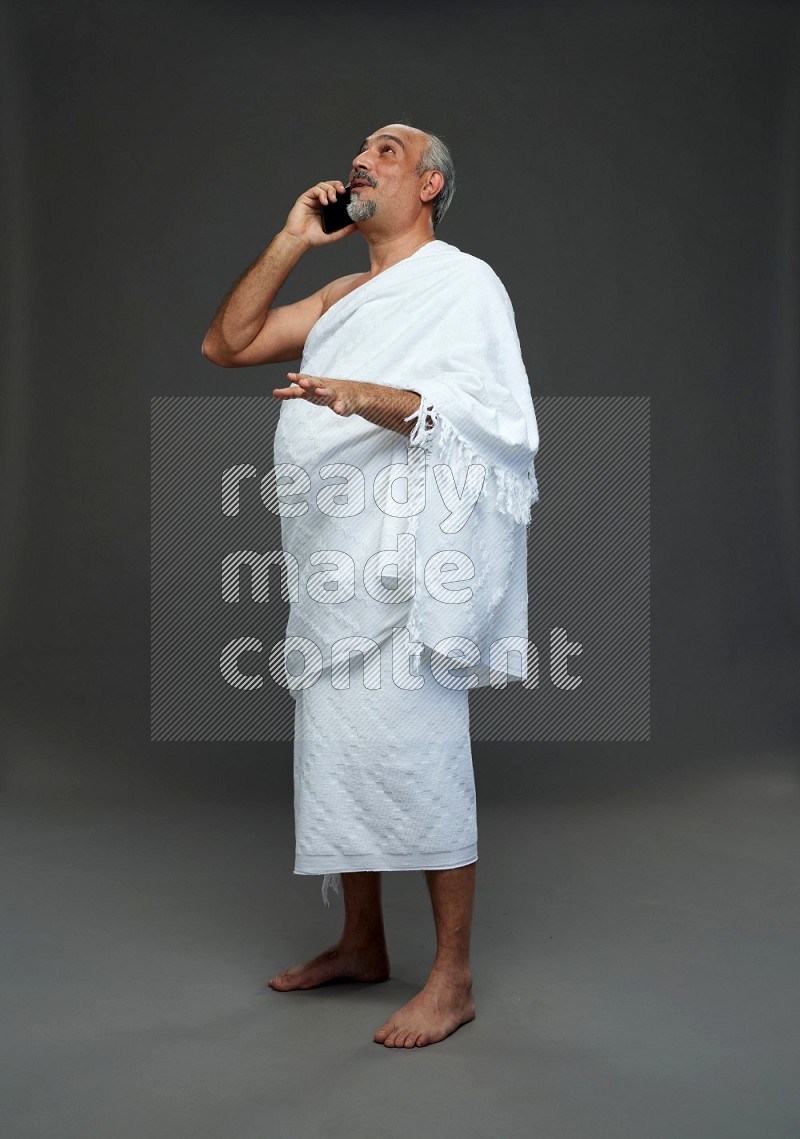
(401, 170)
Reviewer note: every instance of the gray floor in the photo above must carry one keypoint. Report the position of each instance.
(636, 943)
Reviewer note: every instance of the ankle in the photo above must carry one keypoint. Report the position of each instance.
(453, 972)
(359, 941)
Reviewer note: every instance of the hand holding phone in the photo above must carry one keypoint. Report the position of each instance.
(309, 220)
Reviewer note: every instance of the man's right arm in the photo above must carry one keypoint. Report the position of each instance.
(246, 329)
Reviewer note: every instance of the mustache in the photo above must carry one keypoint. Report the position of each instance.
(358, 176)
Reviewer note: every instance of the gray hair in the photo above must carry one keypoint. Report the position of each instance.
(436, 156)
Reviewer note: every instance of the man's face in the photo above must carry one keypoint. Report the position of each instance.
(383, 179)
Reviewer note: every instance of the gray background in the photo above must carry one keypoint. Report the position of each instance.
(631, 171)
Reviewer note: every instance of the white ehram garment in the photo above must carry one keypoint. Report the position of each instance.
(383, 778)
(438, 323)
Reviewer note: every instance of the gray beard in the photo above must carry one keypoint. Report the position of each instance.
(361, 210)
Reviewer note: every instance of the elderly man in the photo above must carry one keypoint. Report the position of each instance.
(415, 358)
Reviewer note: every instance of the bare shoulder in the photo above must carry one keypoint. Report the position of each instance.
(341, 287)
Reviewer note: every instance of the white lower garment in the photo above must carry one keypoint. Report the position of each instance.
(383, 778)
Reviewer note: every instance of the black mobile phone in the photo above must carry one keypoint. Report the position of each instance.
(334, 214)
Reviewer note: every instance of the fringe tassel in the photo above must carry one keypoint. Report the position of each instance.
(422, 435)
(334, 880)
(515, 494)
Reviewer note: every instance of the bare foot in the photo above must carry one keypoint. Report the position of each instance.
(340, 962)
(440, 1008)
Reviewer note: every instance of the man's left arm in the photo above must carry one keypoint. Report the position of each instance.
(387, 407)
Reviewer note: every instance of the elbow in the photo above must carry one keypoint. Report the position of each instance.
(207, 349)
(211, 353)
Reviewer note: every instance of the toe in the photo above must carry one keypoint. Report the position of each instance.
(422, 1040)
(410, 1040)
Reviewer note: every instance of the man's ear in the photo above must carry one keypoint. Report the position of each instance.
(433, 183)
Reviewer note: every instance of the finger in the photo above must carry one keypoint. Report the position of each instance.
(334, 189)
(328, 191)
(307, 382)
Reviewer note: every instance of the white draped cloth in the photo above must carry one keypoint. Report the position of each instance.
(410, 551)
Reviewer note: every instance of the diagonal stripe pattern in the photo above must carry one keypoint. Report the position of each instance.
(219, 594)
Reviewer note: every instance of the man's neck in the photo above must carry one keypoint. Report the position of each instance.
(387, 249)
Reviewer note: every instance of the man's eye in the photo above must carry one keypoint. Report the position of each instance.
(387, 147)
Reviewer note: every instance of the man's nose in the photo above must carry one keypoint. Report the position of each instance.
(361, 161)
